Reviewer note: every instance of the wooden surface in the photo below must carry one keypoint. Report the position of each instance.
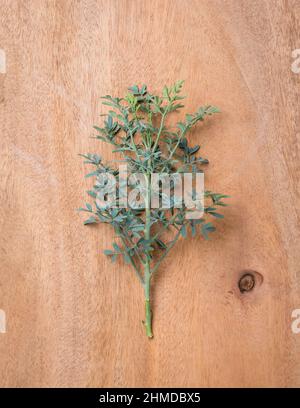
(73, 318)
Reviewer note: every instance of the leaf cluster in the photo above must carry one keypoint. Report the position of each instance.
(135, 127)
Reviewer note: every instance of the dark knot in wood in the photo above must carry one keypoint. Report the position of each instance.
(246, 282)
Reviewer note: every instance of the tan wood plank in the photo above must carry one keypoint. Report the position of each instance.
(74, 319)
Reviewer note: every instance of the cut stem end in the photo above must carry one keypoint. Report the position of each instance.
(148, 321)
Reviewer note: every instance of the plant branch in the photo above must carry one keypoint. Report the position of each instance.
(154, 269)
(138, 273)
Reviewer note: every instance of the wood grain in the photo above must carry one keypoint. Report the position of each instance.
(73, 319)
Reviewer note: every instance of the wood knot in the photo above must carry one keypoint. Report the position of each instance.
(247, 282)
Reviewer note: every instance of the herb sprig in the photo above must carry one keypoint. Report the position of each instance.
(135, 127)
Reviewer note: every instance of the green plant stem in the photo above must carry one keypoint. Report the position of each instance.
(134, 146)
(148, 313)
(165, 253)
(159, 131)
(175, 148)
(119, 234)
(165, 227)
(162, 122)
(147, 272)
(134, 247)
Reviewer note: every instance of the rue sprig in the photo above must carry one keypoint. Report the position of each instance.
(135, 126)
